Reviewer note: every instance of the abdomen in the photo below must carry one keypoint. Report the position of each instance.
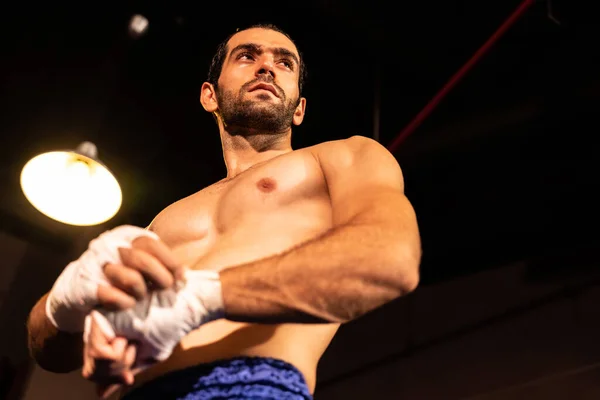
(301, 345)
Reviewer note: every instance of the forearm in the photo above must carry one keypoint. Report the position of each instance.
(337, 277)
(52, 349)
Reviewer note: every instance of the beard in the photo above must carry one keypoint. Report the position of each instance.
(255, 116)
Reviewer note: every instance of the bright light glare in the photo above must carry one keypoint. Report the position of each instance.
(138, 24)
(71, 188)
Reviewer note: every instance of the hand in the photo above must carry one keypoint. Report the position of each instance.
(156, 324)
(113, 272)
(107, 360)
(159, 321)
(148, 264)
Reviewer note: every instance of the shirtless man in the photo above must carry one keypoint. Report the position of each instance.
(256, 271)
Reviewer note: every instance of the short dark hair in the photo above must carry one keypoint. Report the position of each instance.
(216, 65)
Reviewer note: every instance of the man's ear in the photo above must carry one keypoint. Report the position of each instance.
(299, 113)
(208, 97)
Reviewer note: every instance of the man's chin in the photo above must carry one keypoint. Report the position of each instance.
(263, 99)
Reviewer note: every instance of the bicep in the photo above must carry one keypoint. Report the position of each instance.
(364, 181)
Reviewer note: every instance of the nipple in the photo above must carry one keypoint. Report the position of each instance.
(266, 185)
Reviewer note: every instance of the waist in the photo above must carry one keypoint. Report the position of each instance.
(301, 345)
(234, 378)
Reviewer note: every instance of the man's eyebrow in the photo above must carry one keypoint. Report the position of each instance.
(252, 47)
(282, 51)
(258, 49)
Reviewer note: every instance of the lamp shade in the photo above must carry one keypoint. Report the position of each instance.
(72, 187)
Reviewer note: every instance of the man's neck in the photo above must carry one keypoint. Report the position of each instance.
(242, 152)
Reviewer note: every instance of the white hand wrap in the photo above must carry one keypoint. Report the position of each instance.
(75, 292)
(159, 322)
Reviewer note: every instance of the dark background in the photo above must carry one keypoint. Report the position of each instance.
(503, 170)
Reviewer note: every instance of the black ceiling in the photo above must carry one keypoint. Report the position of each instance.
(504, 167)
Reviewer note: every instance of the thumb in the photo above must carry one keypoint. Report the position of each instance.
(103, 325)
(119, 345)
(97, 336)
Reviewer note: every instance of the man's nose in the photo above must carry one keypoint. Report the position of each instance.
(266, 67)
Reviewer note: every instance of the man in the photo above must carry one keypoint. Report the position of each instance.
(237, 290)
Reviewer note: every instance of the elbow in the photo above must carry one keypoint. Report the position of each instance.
(57, 355)
(408, 281)
(410, 284)
(56, 365)
(405, 265)
(47, 363)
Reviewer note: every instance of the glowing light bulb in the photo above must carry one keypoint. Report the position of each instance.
(71, 188)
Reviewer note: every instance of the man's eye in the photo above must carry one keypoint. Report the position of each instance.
(288, 64)
(246, 56)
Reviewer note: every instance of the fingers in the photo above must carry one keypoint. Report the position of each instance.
(100, 340)
(105, 390)
(149, 266)
(121, 367)
(113, 298)
(129, 361)
(162, 253)
(127, 280)
(119, 345)
(107, 360)
(97, 347)
(148, 262)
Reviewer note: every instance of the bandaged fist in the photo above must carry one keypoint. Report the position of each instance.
(118, 267)
(159, 321)
(148, 264)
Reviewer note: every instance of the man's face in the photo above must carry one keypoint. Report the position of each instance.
(258, 86)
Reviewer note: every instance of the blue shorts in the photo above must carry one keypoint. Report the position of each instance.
(252, 378)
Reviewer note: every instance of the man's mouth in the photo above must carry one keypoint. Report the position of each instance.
(264, 86)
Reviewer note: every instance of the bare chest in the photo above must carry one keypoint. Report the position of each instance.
(265, 209)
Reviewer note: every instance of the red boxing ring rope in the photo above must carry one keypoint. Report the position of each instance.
(424, 113)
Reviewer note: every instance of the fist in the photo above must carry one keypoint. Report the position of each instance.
(118, 267)
(117, 345)
(145, 266)
(159, 321)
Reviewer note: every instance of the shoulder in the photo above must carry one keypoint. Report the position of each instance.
(357, 156)
(355, 151)
(351, 148)
(352, 142)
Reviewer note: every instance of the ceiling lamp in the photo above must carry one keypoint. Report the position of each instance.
(72, 187)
